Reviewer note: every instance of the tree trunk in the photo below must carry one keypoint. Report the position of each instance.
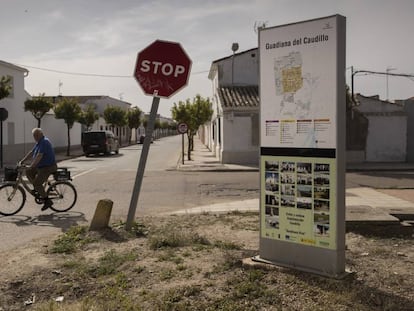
(68, 148)
(38, 122)
(189, 147)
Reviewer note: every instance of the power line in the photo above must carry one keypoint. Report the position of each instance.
(89, 74)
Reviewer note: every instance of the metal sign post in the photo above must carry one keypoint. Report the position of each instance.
(182, 128)
(162, 69)
(142, 162)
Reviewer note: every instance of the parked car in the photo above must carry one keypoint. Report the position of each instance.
(96, 142)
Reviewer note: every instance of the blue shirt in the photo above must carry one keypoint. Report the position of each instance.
(45, 147)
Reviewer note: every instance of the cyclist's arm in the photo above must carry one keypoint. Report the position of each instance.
(36, 160)
(28, 155)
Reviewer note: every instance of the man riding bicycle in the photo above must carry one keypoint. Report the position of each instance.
(43, 164)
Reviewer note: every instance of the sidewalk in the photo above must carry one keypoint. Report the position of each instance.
(363, 204)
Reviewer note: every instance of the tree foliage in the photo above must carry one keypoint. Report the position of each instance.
(70, 111)
(5, 87)
(134, 119)
(88, 116)
(38, 106)
(194, 113)
(115, 116)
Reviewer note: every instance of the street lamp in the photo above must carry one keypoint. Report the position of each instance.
(234, 48)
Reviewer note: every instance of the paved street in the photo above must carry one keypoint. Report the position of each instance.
(201, 185)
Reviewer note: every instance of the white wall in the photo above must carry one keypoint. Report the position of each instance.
(244, 72)
(56, 130)
(15, 107)
(387, 139)
(237, 145)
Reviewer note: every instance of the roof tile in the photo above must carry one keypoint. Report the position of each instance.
(239, 96)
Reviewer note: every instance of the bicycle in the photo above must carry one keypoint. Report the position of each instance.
(13, 191)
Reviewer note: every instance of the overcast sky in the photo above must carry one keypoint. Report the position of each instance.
(103, 37)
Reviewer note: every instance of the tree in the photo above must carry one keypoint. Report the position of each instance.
(134, 119)
(38, 106)
(88, 116)
(194, 114)
(157, 126)
(69, 110)
(115, 117)
(5, 87)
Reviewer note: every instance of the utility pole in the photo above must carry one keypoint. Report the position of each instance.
(368, 72)
(386, 76)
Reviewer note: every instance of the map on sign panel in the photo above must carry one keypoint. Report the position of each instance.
(294, 86)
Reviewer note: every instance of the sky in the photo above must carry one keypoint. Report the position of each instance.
(89, 47)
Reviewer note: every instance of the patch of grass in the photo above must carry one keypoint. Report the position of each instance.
(227, 245)
(170, 255)
(171, 236)
(178, 298)
(110, 262)
(249, 285)
(137, 229)
(114, 297)
(71, 240)
(167, 274)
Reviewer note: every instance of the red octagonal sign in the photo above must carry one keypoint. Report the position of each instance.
(162, 68)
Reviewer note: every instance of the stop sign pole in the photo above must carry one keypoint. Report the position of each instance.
(161, 70)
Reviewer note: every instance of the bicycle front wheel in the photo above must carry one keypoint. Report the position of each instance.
(63, 195)
(12, 199)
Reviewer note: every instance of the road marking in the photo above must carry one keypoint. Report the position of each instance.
(84, 173)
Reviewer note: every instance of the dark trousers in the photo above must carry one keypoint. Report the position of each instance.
(38, 176)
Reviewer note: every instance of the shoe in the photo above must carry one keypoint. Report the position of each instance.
(48, 203)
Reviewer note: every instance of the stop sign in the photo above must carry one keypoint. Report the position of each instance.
(162, 68)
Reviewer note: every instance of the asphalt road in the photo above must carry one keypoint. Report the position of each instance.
(164, 189)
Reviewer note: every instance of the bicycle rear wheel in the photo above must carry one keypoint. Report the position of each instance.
(63, 195)
(12, 199)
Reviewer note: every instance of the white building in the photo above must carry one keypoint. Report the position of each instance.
(234, 131)
(376, 131)
(17, 129)
(100, 103)
(17, 135)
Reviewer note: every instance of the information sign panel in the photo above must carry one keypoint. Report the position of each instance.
(302, 129)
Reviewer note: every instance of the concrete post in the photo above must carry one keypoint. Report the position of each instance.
(102, 215)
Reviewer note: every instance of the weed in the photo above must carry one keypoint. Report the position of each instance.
(110, 262)
(71, 240)
(174, 237)
(169, 255)
(137, 229)
(225, 245)
(167, 274)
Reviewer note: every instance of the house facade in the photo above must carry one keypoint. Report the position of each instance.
(17, 135)
(100, 103)
(376, 131)
(408, 105)
(233, 133)
(17, 129)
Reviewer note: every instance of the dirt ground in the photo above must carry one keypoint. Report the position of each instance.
(196, 263)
